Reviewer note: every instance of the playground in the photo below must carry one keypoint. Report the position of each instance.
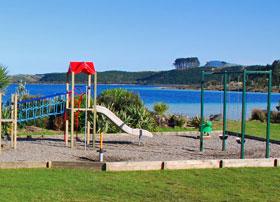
(124, 147)
(135, 144)
(221, 148)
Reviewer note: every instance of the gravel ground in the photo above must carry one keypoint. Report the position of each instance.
(124, 147)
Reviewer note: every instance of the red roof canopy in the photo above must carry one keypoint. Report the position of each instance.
(81, 67)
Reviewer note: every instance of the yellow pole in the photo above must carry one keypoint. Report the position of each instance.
(0, 121)
(15, 120)
(12, 117)
(95, 113)
(72, 109)
(101, 142)
(101, 151)
(67, 120)
(88, 105)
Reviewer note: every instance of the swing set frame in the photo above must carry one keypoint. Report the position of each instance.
(245, 73)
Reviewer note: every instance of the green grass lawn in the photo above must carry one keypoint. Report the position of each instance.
(43, 132)
(175, 129)
(255, 128)
(246, 184)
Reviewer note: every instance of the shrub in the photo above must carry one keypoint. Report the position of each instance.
(140, 117)
(177, 120)
(128, 107)
(119, 99)
(161, 120)
(22, 91)
(160, 108)
(261, 115)
(4, 78)
(6, 127)
(195, 122)
(275, 117)
(258, 114)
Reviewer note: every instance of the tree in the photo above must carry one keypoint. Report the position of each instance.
(160, 108)
(184, 63)
(276, 72)
(4, 78)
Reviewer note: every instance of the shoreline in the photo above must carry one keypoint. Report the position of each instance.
(219, 88)
(231, 87)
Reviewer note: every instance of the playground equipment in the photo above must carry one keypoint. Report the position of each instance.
(12, 120)
(206, 128)
(88, 68)
(77, 68)
(101, 151)
(62, 104)
(245, 73)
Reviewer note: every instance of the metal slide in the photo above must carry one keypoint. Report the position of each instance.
(116, 120)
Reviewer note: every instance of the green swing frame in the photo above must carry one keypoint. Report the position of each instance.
(245, 73)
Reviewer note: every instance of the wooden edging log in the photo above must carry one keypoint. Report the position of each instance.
(76, 164)
(191, 164)
(239, 163)
(147, 165)
(22, 164)
(131, 166)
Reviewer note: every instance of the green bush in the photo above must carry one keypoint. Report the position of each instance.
(140, 117)
(258, 114)
(275, 117)
(195, 122)
(177, 120)
(4, 78)
(128, 107)
(6, 127)
(261, 115)
(160, 108)
(119, 99)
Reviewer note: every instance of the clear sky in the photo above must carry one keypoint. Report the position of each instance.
(43, 36)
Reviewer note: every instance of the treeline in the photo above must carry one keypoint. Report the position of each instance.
(108, 77)
(172, 77)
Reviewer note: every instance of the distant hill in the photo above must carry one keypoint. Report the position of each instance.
(219, 64)
(108, 77)
(28, 78)
(172, 77)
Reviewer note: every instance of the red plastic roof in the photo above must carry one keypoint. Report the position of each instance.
(81, 67)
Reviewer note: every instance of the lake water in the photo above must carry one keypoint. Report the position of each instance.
(186, 102)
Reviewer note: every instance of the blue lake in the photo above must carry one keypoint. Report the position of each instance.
(186, 102)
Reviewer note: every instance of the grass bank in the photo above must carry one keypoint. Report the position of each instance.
(246, 184)
(255, 128)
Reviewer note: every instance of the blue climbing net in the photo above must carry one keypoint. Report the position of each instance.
(35, 108)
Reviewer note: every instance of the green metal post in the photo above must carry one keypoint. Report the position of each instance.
(225, 111)
(243, 122)
(202, 110)
(267, 152)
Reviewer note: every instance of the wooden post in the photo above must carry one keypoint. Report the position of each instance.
(12, 117)
(95, 114)
(15, 120)
(66, 111)
(72, 109)
(88, 105)
(0, 122)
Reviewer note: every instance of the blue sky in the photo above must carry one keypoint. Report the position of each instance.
(134, 35)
